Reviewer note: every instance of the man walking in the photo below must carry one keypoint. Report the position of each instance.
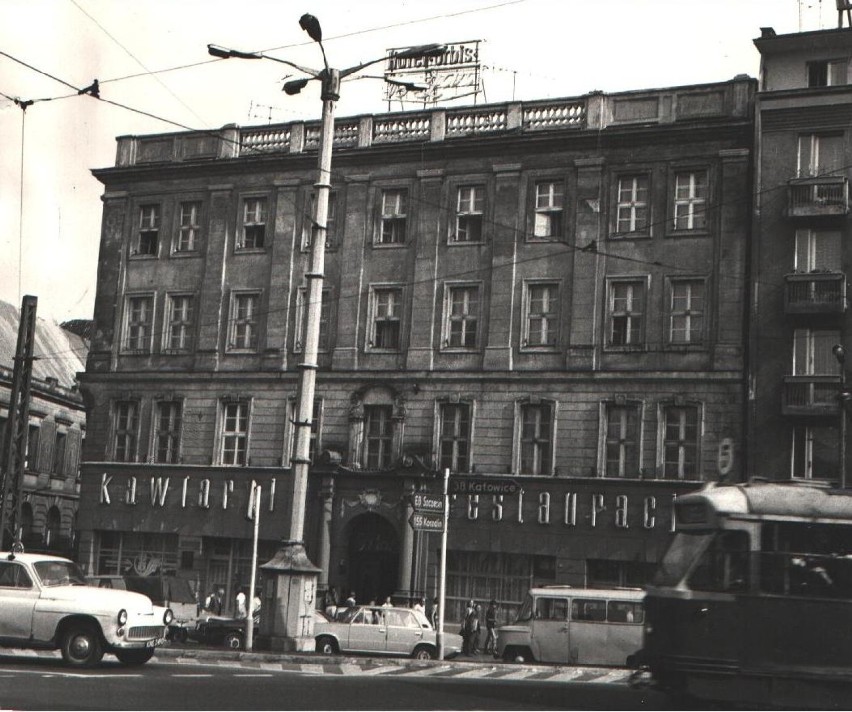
(490, 627)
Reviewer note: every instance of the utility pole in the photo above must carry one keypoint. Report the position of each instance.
(15, 437)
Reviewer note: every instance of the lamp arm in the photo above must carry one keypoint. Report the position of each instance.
(307, 70)
(359, 67)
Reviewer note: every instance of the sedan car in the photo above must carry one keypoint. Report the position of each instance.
(382, 631)
(45, 603)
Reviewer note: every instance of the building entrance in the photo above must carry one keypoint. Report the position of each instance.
(373, 558)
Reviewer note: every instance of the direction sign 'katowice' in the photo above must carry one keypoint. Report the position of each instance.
(478, 485)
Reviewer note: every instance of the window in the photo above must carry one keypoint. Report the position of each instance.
(812, 352)
(234, 433)
(126, 430)
(632, 207)
(316, 430)
(814, 452)
(611, 573)
(148, 237)
(378, 437)
(626, 313)
(253, 234)
(167, 427)
(14, 576)
(542, 310)
(817, 250)
(588, 609)
(32, 446)
(301, 319)
(455, 422)
(686, 311)
(548, 210)
(820, 154)
(189, 227)
(724, 564)
(551, 609)
(621, 447)
(827, 72)
(536, 438)
(330, 223)
(179, 315)
(469, 214)
(394, 217)
(690, 200)
(680, 442)
(244, 326)
(138, 322)
(387, 317)
(461, 327)
(59, 454)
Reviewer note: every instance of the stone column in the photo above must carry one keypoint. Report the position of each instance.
(327, 499)
(406, 551)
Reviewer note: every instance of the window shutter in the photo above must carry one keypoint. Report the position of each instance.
(72, 452)
(47, 436)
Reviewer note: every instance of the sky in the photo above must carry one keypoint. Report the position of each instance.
(151, 57)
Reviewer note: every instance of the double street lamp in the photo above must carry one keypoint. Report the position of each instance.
(291, 559)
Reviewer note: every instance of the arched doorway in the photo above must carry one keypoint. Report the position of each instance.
(373, 558)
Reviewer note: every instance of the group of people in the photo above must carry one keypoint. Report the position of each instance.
(214, 604)
(471, 628)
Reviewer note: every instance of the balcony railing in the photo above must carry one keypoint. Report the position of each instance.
(811, 395)
(815, 293)
(822, 195)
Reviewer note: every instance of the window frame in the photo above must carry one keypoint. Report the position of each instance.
(663, 443)
(448, 317)
(196, 228)
(520, 408)
(131, 453)
(231, 343)
(187, 324)
(475, 210)
(549, 210)
(148, 342)
(438, 438)
(393, 218)
(176, 435)
(373, 316)
(386, 438)
(817, 167)
(689, 313)
(141, 227)
(526, 302)
(325, 333)
(627, 405)
(645, 230)
(240, 240)
(610, 313)
(702, 214)
(222, 434)
(808, 430)
(838, 77)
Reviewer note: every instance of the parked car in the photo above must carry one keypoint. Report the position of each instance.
(230, 632)
(382, 631)
(168, 591)
(45, 603)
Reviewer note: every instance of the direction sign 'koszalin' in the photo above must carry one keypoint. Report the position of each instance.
(427, 522)
(478, 485)
(425, 502)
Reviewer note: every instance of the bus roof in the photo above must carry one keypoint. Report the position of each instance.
(629, 594)
(783, 499)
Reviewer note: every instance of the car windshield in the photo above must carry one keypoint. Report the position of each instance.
(685, 548)
(59, 573)
(525, 614)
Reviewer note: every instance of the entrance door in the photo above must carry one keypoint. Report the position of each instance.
(373, 558)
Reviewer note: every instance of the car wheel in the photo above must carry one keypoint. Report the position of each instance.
(326, 645)
(137, 656)
(234, 640)
(81, 645)
(424, 652)
(517, 655)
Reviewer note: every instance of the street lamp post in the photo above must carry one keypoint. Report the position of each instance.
(292, 625)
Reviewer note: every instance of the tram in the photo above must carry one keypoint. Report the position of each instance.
(752, 601)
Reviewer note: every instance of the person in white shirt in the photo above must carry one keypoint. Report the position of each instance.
(242, 612)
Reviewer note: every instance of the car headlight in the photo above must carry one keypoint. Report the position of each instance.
(168, 616)
(122, 617)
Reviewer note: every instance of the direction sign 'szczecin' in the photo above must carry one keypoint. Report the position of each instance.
(478, 485)
(425, 502)
(427, 522)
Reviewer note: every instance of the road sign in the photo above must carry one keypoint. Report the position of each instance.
(479, 485)
(427, 522)
(425, 502)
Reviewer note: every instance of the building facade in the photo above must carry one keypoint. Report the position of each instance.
(55, 431)
(547, 292)
(799, 257)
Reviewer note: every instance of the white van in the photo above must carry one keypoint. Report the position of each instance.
(587, 626)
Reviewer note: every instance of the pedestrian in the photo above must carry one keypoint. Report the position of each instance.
(476, 626)
(350, 602)
(491, 628)
(388, 602)
(213, 602)
(242, 612)
(255, 604)
(468, 626)
(329, 601)
(420, 605)
(435, 615)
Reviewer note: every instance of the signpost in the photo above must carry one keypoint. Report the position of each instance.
(421, 522)
(425, 502)
(479, 485)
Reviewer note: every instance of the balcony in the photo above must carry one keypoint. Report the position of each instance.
(812, 396)
(817, 197)
(815, 293)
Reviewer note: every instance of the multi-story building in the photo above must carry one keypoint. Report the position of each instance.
(800, 261)
(550, 292)
(56, 428)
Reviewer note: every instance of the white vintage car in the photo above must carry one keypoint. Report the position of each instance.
(45, 603)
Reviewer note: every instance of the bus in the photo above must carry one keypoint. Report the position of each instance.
(587, 626)
(752, 601)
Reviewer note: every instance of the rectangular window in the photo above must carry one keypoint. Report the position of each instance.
(542, 322)
(827, 72)
(686, 311)
(387, 317)
(818, 251)
(626, 313)
(253, 234)
(622, 441)
(378, 437)
(190, 226)
(610, 573)
(548, 210)
(680, 442)
(462, 320)
(820, 155)
(455, 437)
(179, 318)
(394, 217)
(690, 200)
(815, 452)
(167, 427)
(148, 238)
(125, 430)
(59, 454)
(812, 352)
(632, 208)
(244, 321)
(301, 319)
(32, 445)
(331, 235)
(470, 208)
(234, 433)
(536, 438)
(138, 323)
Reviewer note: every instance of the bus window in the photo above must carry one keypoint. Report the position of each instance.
(683, 550)
(588, 609)
(625, 612)
(724, 564)
(551, 609)
(526, 611)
